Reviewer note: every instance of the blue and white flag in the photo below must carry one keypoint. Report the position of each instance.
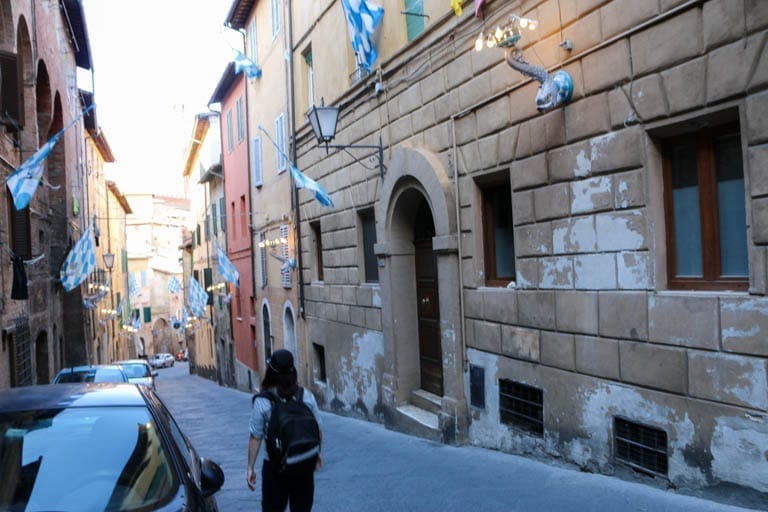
(80, 262)
(23, 182)
(246, 65)
(362, 18)
(136, 321)
(133, 287)
(227, 269)
(300, 179)
(198, 298)
(174, 285)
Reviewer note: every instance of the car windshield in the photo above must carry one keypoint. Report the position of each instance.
(91, 375)
(136, 370)
(94, 458)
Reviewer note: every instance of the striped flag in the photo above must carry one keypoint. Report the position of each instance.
(300, 179)
(23, 182)
(246, 65)
(362, 18)
(456, 6)
(133, 287)
(80, 262)
(227, 269)
(174, 285)
(198, 297)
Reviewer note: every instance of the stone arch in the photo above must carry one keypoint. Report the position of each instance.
(289, 331)
(162, 336)
(266, 328)
(415, 176)
(44, 101)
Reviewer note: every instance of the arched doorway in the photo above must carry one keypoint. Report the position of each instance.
(267, 331)
(41, 358)
(289, 332)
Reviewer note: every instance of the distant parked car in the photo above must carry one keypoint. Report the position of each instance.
(91, 373)
(162, 360)
(139, 372)
(98, 447)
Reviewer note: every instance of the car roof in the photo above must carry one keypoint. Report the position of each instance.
(88, 367)
(59, 396)
(132, 361)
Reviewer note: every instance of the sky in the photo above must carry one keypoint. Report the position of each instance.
(155, 66)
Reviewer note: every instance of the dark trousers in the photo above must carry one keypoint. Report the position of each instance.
(278, 490)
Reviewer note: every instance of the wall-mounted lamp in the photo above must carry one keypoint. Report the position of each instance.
(109, 260)
(323, 120)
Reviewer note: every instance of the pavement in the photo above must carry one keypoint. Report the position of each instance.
(367, 467)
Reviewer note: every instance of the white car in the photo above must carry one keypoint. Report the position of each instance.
(162, 360)
(139, 372)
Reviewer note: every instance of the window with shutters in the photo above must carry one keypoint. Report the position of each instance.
(253, 42)
(498, 233)
(256, 159)
(414, 18)
(285, 269)
(368, 232)
(262, 259)
(310, 77)
(243, 217)
(705, 206)
(214, 219)
(240, 123)
(280, 137)
(208, 284)
(317, 248)
(147, 315)
(230, 133)
(223, 212)
(11, 103)
(275, 18)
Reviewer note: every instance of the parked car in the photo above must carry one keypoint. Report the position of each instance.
(98, 447)
(91, 373)
(139, 372)
(162, 360)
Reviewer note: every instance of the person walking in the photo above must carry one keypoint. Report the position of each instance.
(281, 485)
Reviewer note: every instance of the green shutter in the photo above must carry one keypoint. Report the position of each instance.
(147, 315)
(414, 24)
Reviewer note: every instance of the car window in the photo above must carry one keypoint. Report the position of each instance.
(101, 458)
(136, 370)
(108, 375)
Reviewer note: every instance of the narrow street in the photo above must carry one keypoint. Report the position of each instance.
(370, 468)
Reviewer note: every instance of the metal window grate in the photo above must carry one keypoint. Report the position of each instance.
(521, 406)
(477, 386)
(641, 446)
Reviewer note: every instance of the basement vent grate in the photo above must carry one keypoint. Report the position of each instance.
(521, 406)
(641, 446)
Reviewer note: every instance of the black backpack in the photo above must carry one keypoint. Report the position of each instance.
(293, 435)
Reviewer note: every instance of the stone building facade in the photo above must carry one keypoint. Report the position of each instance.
(572, 283)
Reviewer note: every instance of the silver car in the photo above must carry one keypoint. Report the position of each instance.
(139, 372)
(91, 373)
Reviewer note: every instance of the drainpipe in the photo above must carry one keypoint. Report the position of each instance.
(454, 153)
(295, 196)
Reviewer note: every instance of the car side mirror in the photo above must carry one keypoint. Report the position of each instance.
(211, 477)
(155, 374)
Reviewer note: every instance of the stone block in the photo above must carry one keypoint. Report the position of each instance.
(557, 349)
(576, 311)
(760, 220)
(433, 86)
(619, 15)
(438, 137)
(629, 190)
(685, 320)
(552, 202)
(484, 336)
(373, 319)
(758, 164)
(653, 366)
(493, 116)
(423, 118)
(536, 309)
(529, 172)
(473, 303)
(758, 14)
(502, 75)
(730, 67)
(458, 71)
(633, 270)
(574, 161)
(520, 343)
(621, 231)
(527, 273)
(597, 356)
(757, 118)
(585, 32)
(409, 100)
(574, 235)
(594, 272)
(623, 315)
(679, 36)
(685, 85)
(758, 277)
(533, 239)
(465, 129)
(556, 273)
(607, 66)
(400, 129)
(648, 98)
(591, 194)
(487, 152)
(523, 103)
(731, 379)
(507, 142)
(723, 21)
(617, 150)
(744, 325)
(549, 129)
(499, 305)
(587, 117)
(522, 207)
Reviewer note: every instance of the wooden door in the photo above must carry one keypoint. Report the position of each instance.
(430, 350)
